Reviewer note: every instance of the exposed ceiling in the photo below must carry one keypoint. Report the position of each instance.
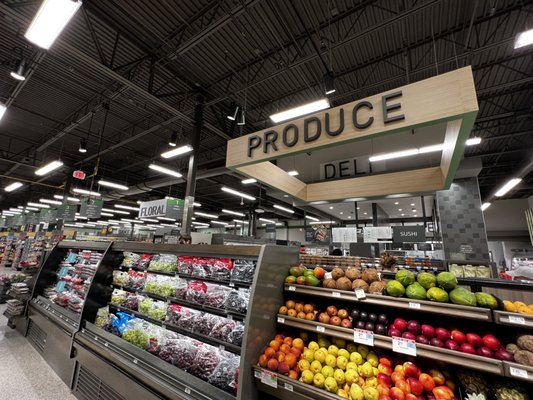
(124, 76)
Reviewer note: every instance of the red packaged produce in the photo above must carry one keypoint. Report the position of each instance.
(206, 360)
(196, 291)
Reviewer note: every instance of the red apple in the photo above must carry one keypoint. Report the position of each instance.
(346, 323)
(385, 360)
(474, 340)
(491, 342)
(410, 396)
(300, 280)
(502, 354)
(383, 390)
(437, 376)
(400, 324)
(332, 311)
(427, 381)
(335, 321)
(413, 327)
(442, 334)
(396, 394)
(385, 369)
(411, 370)
(384, 397)
(319, 273)
(384, 380)
(436, 342)
(468, 348)
(403, 386)
(428, 331)
(443, 393)
(458, 336)
(397, 376)
(485, 352)
(416, 386)
(343, 313)
(324, 318)
(452, 345)
(422, 339)
(393, 332)
(408, 335)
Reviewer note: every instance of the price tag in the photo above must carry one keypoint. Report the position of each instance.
(415, 306)
(320, 329)
(281, 320)
(135, 361)
(518, 372)
(292, 288)
(163, 326)
(336, 294)
(231, 284)
(187, 390)
(270, 379)
(221, 347)
(96, 338)
(404, 346)
(328, 275)
(257, 374)
(363, 336)
(360, 294)
(106, 344)
(517, 320)
(289, 387)
(230, 317)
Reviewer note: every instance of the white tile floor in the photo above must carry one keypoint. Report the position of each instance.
(24, 375)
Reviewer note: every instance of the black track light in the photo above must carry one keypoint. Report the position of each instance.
(241, 120)
(83, 146)
(233, 117)
(329, 83)
(173, 139)
(19, 73)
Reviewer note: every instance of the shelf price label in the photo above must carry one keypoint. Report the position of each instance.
(404, 346)
(320, 329)
(414, 306)
(518, 372)
(336, 294)
(187, 390)
(292, 288)
(281, 320)
(517, 320)
(270, 379)
(289, 387)
(360, 294)
(363, 337)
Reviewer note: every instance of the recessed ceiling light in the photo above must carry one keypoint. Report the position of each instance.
(366, 213)
(403, 215)
(412, 204)
(349, 217)
(248, 181)
(399, 209)
(331, 207)
(396, 203)
(341, 213)
(293, 173)
(358, 208)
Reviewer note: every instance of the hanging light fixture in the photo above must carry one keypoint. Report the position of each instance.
(83, 146)
(19, 73)
(329, 83)
(3, 109)
(242, 120)
(173, 139)
(233, 117)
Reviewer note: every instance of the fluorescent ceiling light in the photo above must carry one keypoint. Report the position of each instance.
(112, 210)
(248, 181)
(524, 39)
(326, 222)
(177, 151)
(284, 209)
(202, 214)
(407, 153)
(219, 223)
(484, 206)
(87, 192)
(508, 186)
(240, 221)
(126, 207)
(195, 204)
(301, 110)
(3, 109)
(133, 221)
(473, 141)
(164, 170)
(13, 186)
(107, 214)
(80, 217)
(49, 167)
(114, 185)
(50, 20)
(233, 212)
(311, 218)
(59, 197)
(50, 201)
(149, 220)
(169, 225)
(277, 224)
(199, 223)
(267, 220)
(165, 219)
(38, 205)
(15, 210)
(293, 173)
(236, 193)
(32, 208)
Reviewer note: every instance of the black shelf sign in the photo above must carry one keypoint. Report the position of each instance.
(91, 208)
(408, 234)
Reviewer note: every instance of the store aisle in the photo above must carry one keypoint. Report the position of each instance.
(24, 375)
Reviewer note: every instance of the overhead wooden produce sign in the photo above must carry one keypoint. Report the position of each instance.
(449, 98)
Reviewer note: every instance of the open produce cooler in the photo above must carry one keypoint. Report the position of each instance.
(179, 322)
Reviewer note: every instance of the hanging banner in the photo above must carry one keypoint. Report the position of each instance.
(344, 235)
(47, 215)
(175, 208)
(168, 208)
(91, 208)
(18, 220)
(3, 222)
(318, 233)
(66, 212)
(32, 218)
(409, 234)
(372, 234)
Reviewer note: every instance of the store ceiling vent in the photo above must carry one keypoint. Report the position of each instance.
(36, 336)
(89, 386)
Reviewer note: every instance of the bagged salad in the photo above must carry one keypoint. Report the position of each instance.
(163, 263)
(162, 285)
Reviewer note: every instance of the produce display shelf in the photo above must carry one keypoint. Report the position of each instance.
(203, 338)
(447, 309)
(284, 388)
(518, 371)
(476, 362)
(514, 319)
(185, 303)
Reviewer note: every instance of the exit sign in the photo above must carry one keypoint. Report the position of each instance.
(79, 175)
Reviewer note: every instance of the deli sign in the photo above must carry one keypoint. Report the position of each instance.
(156, 208)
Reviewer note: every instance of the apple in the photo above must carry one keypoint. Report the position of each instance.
(385, 360)
(403, 386)
(427, 382)
(436, 342)
(384, 396)
(335, 320)
(485, 352)
(458, 336)
(443, 393)
(502, 354)
(411, 370)
(384, 369)
(442, 334)
(413, 327)
(384, 380)
(393, 332)
(491, 342)
(408, 335)
(400, 324)
(437, 376)
(324, 318)
(422, 339)
(300, 280)
(342, 313)
(346, 323)
(396, 394)
(468, 348)
(474, 340)
(416, 386)
(428, 331)
(332, 311)
(319, 273)
(452, 345)
(397, 376)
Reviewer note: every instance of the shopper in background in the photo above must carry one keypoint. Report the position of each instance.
(336, 252)
(185, 239)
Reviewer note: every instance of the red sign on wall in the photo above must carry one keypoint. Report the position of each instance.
(79, 175)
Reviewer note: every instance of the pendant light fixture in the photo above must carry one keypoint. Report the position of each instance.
(173, 139)
(83, 146)
(233, 117)
(19, 73)
(329, 83)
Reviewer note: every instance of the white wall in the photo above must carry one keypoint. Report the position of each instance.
(506, 215)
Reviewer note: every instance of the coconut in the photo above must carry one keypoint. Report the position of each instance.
(377, 287)
(329, 283)
(337, 273)
(352, 273)
(370, 275)
(360, 284)
(344, 283)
